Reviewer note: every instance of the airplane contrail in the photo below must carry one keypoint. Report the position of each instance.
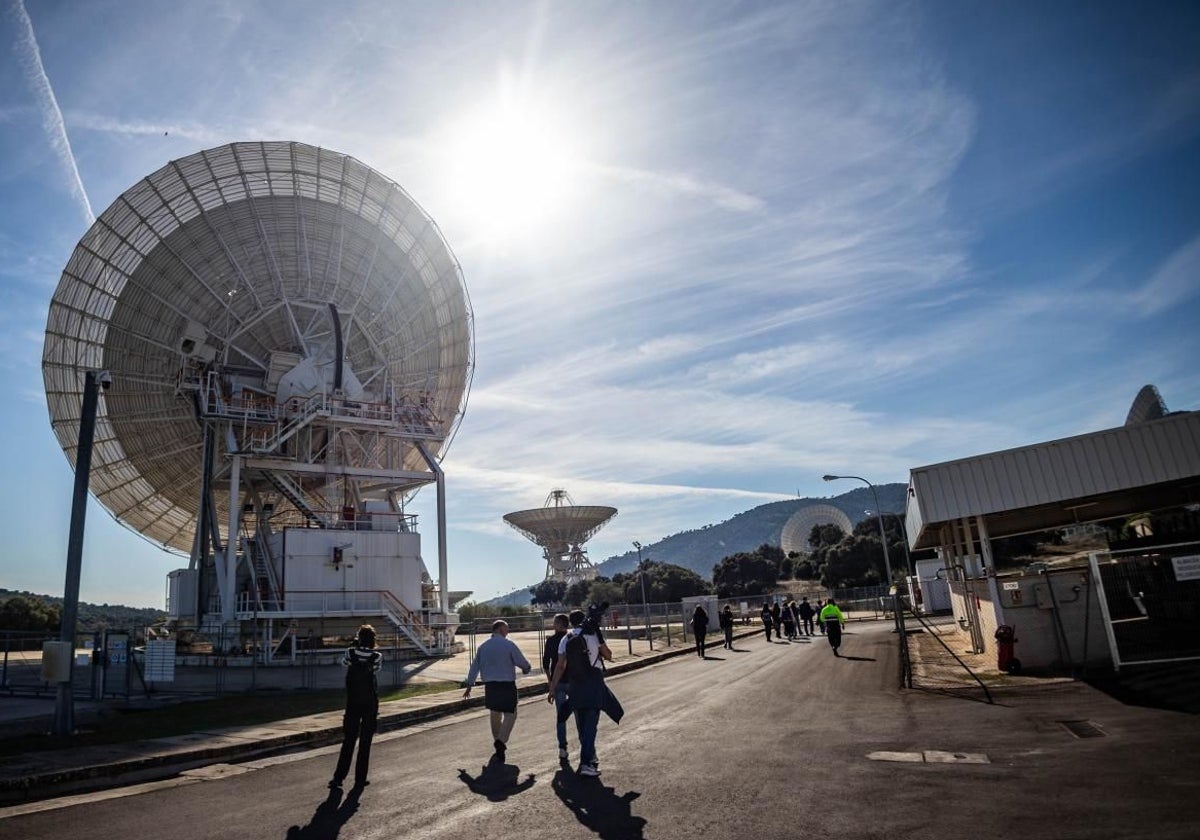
(52, 118)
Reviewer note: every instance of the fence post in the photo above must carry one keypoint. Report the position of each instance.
(667, 621)
(628, 631)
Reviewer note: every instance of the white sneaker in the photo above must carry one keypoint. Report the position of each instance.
(562, 752)
(589, 770)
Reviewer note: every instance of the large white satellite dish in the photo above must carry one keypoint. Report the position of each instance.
(267, 285)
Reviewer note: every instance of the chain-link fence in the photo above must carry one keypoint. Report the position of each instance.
(932, 657)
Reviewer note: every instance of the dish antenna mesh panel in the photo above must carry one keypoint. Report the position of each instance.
(800, 524)
(239, 252)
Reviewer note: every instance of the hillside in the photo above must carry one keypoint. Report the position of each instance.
(91, 617)
(701, 549)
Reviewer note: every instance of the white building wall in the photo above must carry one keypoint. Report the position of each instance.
(1044, 641)
(372, 561)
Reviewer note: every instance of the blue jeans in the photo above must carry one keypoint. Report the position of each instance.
(587, 721)
(560, 726)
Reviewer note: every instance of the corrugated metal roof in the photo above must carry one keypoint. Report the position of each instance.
(1056, 471)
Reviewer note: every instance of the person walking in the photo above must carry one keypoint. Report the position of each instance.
(789, 620)
(726, 619)
(579, 662)
(820, 624)
(806, 613)
(776, 621)
(549, 662)
(494, 664)
(362, 662)
(700, 628)
(766, 620)
(833, 619)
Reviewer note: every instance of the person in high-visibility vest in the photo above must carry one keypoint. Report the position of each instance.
(833, 620)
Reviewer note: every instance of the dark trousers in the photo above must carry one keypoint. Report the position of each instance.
(833, 629)
(729, 637)
(358, 724)
(700, 640)
(807, 623)
(767, 628)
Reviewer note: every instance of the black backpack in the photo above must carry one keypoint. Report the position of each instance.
(360, 675)
(579, 665)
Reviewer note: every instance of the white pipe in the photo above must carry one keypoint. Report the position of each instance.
(443, 582)
(228, 612)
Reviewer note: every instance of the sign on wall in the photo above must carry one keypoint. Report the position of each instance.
(1187, 567)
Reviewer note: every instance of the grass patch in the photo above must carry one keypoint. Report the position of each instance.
(119, 725)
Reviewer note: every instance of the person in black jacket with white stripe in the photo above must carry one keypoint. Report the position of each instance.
(362, 662)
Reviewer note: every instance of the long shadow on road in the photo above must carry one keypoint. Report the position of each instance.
(327, 821)
(497, 781)
(598, 808)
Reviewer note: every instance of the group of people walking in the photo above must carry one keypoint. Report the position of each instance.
(573, 659)
(791, 620)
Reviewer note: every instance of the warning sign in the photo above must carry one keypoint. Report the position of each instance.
(160, 660)
(1187, 567)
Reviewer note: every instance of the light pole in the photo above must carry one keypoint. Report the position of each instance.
(64, 707)
(887, 563)
(645, 606)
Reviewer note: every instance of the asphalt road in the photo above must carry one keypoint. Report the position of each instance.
(768, 741)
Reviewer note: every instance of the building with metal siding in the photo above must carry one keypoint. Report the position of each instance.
(1150, 464)
(1060, 482)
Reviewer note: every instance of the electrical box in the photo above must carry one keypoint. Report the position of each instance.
(1041, 594)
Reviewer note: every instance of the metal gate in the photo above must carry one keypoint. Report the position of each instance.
(1151, 603)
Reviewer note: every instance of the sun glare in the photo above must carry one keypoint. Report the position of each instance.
(511, 169)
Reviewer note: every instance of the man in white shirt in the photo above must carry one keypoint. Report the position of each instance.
(495, 662)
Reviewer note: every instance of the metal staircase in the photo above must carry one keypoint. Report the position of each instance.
(268, 440)
(258, 556)
(291, 491)
(408, 623)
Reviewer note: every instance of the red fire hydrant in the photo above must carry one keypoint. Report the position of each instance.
(1006, 639)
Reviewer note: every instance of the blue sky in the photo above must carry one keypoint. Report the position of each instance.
(714, 250)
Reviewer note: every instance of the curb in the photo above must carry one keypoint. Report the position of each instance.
(42, 784)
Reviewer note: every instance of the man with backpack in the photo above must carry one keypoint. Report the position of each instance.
(494, 663)
(580, 657)
(362, 662)
(726, 618)
(806, 613)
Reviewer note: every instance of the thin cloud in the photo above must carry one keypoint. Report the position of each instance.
(1173, 282)
(140, 128)
(30, 56)
(679, 183)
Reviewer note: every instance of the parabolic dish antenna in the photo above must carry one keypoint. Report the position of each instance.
(1147, 405)
(561, 528)
(800, 524)
(250, 278)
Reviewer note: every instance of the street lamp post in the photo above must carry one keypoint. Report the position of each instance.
(887, 563)
(645, 605)
(64, 707)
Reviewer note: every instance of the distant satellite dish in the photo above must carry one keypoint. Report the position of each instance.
(1147, 405)
(561, 528)
(798, 527)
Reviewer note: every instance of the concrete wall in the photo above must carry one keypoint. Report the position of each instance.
(1051, 612)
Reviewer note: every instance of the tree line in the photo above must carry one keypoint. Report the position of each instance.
(27, 611)
(835, 559)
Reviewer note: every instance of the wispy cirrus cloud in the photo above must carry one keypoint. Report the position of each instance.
(30, 56)
(1176, 280)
